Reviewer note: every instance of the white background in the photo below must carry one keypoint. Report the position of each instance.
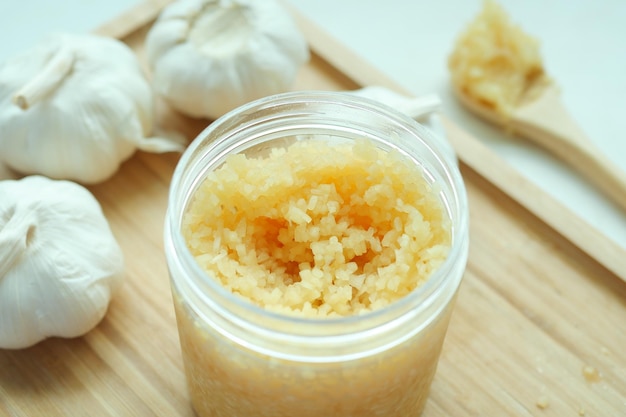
(583, 44)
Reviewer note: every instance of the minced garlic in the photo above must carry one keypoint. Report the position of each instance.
(542, 402)
(229, 379)
(494, 61)
(318, 229)
(591, 374)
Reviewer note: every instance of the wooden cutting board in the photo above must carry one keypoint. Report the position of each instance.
(537, 329)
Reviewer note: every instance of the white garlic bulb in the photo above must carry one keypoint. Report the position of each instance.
(59, 261)
(210, 56)
(74, 107)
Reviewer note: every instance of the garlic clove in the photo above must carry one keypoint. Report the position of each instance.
(210, 56)
(423, 109)
(83, 107)
(59, 261)
(418, 108)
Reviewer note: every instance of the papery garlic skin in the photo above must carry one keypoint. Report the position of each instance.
(210, 56)
(75, 107)
(59, 261)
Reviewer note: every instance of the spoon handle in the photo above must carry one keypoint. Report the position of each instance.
(547, 123)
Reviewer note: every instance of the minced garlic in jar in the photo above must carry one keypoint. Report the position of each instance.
(315, 242)
(495, 62)
(228, 379)
(318, 229)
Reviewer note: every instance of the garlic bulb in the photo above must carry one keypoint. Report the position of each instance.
(59, 261)
(210, 56)
(74, 107)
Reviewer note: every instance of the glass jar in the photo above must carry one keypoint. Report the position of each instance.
(242, 360)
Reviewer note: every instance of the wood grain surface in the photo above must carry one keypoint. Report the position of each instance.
(537, 329)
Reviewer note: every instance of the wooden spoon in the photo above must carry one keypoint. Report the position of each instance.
(544, 120)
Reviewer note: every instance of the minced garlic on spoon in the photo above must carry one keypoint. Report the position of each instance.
(494, 62)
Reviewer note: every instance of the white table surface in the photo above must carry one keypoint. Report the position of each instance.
(583, 45)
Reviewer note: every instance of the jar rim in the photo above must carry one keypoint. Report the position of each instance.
(177, 251)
